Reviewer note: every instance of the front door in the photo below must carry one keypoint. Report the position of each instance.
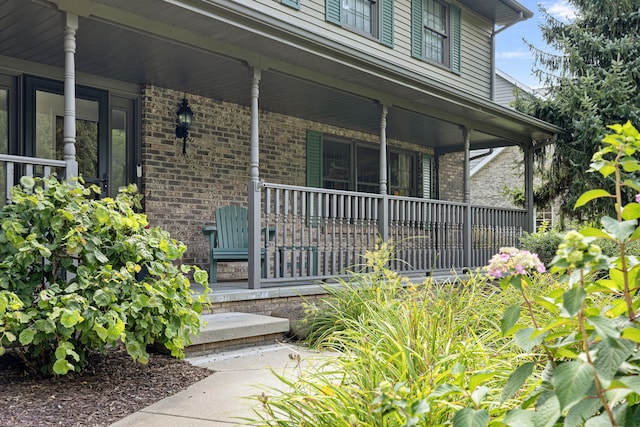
(44, 130)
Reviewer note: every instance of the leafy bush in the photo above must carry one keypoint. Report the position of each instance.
(543, 243)
(591, 336)
(409, 355)
(79, 274)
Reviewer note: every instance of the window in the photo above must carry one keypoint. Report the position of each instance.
(373, 18)
(359, 14)
(436, 32)
(342, 165)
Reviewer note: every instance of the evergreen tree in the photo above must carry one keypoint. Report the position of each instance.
(592, 82)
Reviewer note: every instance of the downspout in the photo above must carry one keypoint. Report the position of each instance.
(493, 51)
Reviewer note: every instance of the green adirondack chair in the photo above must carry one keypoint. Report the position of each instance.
(229, 238)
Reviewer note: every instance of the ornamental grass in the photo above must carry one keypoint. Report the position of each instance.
(408, 354)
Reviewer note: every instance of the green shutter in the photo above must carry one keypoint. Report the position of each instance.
(291, 3)
(386, 22)
(314, 159)
(427, 171)
(456, 39)
(417, 29)
(333, 8)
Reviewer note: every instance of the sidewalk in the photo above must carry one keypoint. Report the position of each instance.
(225, 396)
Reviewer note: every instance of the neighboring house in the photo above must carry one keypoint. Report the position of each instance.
(333, 121)
(496, 172)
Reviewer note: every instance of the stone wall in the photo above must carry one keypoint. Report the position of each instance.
(182, 192)
(506, 170)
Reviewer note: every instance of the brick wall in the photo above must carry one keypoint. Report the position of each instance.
(451, 177)
(181, 193)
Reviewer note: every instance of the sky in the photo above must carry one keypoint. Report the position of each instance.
(513, 56)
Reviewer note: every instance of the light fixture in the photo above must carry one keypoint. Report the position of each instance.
(184, 122)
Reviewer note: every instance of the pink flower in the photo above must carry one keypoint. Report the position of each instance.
(520, 269)
(496, 272)
(638, 198)
(541, 268)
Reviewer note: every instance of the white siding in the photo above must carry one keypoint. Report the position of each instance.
(475, 77)
(504, 91)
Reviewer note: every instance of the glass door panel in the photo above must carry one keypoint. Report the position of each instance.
(49, 132)
(119, 149)
(4, 139)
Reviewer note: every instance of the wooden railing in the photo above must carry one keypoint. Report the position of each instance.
(14, 167)
(320, 233)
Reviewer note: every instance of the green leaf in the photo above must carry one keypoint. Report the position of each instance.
(27, 182)
(62, 367)
(527, 338)
(548, 410)
(572, 381)
(102, 215)
(590, 195)
(516, 380)
(631, 211)
(70, 318)
(468, 417)
(26, 336)
(581, 412)
(620, 230)
(101, 331)
(594, 232)
(478, 395)
(606, 329)
(573, 299)
(509, 318)
(520, 418)
(609, 358)
(635, 184)
(631, 334)
(101, 298)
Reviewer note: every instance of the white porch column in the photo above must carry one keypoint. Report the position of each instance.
(530, 205)
(69, 130)
(254, 187)
(383, 209)
(466, 226)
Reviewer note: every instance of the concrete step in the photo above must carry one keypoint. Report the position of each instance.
(233, 330)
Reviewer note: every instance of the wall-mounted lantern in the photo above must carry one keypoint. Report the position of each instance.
(184, 122)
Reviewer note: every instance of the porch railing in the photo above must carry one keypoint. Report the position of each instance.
(12, 168)
(323, 233)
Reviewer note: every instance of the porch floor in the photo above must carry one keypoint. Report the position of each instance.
(236, 291)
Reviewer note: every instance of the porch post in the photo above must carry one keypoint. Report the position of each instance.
(69, 130)
(466, 225)
(254, 187)
(530, 205)
(383, 209)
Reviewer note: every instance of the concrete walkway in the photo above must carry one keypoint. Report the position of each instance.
(229, 394)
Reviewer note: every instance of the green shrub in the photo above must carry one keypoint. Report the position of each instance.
(590, 334)
(79, 274)
(544, 243)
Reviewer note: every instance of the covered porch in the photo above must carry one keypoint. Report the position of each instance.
(227, 52)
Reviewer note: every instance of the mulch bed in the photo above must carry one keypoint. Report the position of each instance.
(112, 387)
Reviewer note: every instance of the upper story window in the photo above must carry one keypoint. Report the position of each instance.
(436, 33)
(373, 18)
(359, 14)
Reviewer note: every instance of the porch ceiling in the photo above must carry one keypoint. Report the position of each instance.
(204, 48)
